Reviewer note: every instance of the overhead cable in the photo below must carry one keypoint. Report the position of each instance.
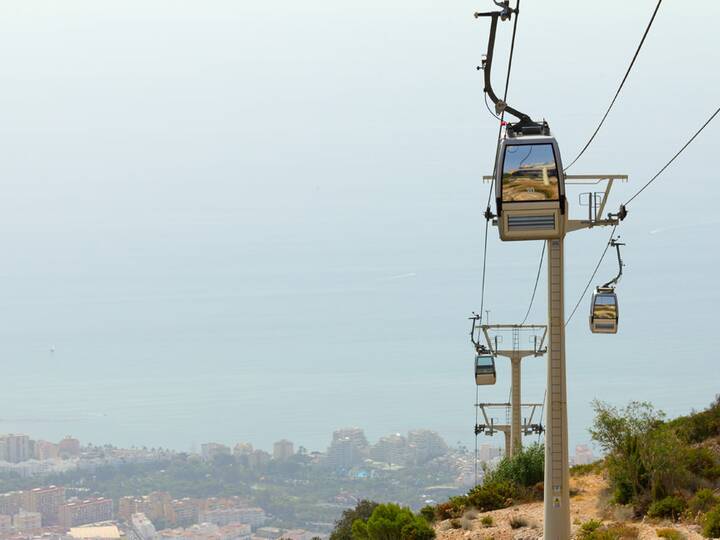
(622, 83)
(712, 117)
(591, 277)
(537, 279)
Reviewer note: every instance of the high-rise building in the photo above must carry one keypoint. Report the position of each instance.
(210, 450)
(77, 513)
(583, 455)
(45, 450)
(27, 521)
(242, 449)
(424, 445)
(343, 454)
(391, 449)
(355, 434)
(11, 502)
(156, 505)
(282, 450)
(15, 448)
(46, 500)
(69, 447)
(259, 458)
(184, 512)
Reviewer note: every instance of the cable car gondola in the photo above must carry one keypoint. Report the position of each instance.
(528, 175)
(485, 369)
(529, 186)
(604, 309)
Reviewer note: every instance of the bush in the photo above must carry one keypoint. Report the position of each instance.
(711, 523)
(525, 469)
(428, 512)
(517, 522)
(669, 507)
(702, 501)
(492, 496)
(487, 521)
(595, 530)
(453, 508)
(343, 526)
(703, 463)
(392, 522)
(670, 534)
(588, 528)
(455, 523)
(699, 426)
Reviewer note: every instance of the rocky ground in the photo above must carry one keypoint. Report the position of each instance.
(588, 502)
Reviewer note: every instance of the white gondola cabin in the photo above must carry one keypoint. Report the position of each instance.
(484, 369)
(530, 188)
(604, 311)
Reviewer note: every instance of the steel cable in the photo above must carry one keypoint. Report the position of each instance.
(622, 83)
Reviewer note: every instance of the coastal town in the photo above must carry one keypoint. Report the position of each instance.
(68, 491)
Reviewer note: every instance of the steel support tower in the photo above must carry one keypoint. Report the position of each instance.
(516, 356)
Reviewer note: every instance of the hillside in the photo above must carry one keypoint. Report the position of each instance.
(590, 501)
(659, 479)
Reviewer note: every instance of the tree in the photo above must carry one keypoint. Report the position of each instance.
(392, 522)
(343, 527)
(622, 433)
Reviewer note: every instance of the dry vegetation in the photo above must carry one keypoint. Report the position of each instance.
(590, 503)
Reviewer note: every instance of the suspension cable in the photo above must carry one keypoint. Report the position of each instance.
(707, 122)
(477, 398)
(487, 221)
(612, 233)
(537, 279)
(505, 93)
(675, 156)
(622, 83)
(502, 115)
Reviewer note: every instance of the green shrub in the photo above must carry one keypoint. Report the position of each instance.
(343, 527)
(517, 522)
(428, 512)
(595, 530)
(487, 521)
(453, 508)
(699, 426)
(455, 523)
(525, 469)
(702, 501)
(711, 523)
(670, 534)
(669, 507)
(492, 496)
(588, 528)
(392, 522)
(703, 463)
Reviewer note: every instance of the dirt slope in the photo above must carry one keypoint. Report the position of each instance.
(589, 503)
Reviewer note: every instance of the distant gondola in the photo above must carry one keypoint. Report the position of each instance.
(485, 369)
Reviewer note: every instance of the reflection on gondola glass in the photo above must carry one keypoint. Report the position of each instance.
(605, 306)
(529, 173)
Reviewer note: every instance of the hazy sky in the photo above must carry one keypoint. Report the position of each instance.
(240, 220)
